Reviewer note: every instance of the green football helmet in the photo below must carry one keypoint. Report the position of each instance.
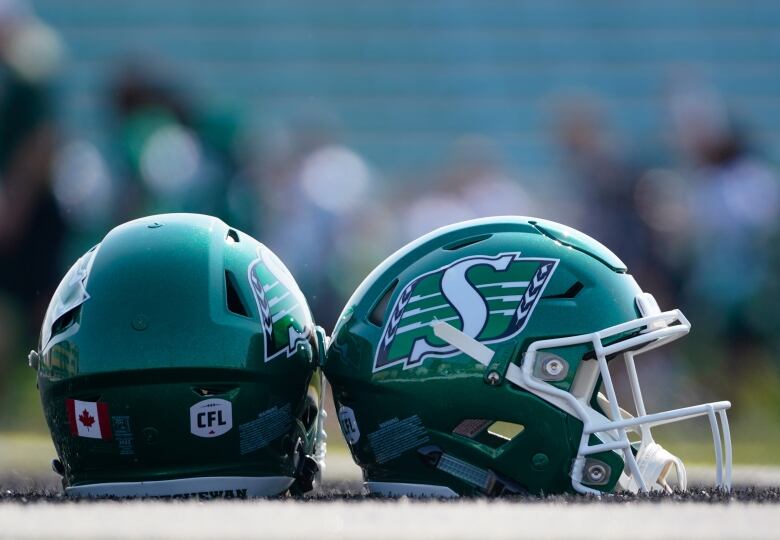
(471, 362)
(178, 357)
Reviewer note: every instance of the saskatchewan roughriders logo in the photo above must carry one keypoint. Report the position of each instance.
(490, 299)
(283, 310)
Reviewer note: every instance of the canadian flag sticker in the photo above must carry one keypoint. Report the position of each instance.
(88, 419)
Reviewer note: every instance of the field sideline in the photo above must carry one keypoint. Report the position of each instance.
(391, 520)
(32, 507)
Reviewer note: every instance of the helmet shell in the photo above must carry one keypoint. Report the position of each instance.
(507, 282)
(194, 346)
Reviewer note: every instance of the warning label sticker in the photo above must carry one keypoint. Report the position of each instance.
(268, 426)
(123, 435)
(395, 437)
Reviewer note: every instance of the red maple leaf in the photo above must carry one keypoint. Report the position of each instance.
(86, 419)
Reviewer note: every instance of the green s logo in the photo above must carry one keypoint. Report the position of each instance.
(488, 298)
(284, 313)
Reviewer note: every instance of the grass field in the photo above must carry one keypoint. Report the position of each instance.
(31, 507)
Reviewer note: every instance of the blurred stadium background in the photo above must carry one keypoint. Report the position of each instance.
(336, 132)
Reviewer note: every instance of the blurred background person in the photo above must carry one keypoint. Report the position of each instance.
(32, 229)
(174, 156)
(730, 276)
(602, 196)
(311, 189)
(600, 179)
(335, 147)
(473, 182)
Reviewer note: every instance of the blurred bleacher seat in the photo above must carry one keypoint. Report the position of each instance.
(405, 77)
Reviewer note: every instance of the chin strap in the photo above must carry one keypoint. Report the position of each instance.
(321, 444)
(320, 436)
(313, 465)
(308, 473)
(655, 463)
(310, 466)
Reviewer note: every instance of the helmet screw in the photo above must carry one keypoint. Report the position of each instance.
(493, 378)
(540, 461)
(596, 473)
(140, 323)
(150, 435)
(553, 367)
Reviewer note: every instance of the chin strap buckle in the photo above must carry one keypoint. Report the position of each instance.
(309, 467)
(321, 444)
(307, 471)
(306, 476)
(655, 463)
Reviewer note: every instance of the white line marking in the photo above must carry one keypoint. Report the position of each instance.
(285, 312)
(417, 311)
(415, 326)
(278, 299)
(418, 297)
(466, 344)
(513, 298)
(505, 284)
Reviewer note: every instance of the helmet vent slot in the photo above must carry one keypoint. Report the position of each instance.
(571, 292)
(459, 244)
(235, 303)
(65, 321)
(214, 390)
(377, 315)
(231, 237)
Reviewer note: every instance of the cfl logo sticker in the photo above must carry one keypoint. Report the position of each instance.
(211, 418)
(349, 425)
